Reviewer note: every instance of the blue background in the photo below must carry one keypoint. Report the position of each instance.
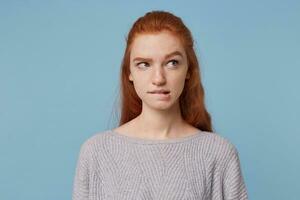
(59, 75)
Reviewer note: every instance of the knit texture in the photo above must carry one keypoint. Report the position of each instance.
(202, 166)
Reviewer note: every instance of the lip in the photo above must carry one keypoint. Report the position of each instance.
(162, 91)
(162, 96)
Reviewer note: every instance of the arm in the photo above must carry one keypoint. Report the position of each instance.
(81, 179)
(233, 182)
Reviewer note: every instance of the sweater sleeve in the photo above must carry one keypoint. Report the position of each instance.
(81, 178)
(233, 181)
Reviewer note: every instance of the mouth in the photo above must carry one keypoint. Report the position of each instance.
(162, 95)
(160, 92)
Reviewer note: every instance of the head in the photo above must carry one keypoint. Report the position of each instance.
(160, 54)
(158, 62)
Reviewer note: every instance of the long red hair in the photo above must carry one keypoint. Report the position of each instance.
(191, 100)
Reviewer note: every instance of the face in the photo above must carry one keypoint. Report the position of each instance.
(158, 61)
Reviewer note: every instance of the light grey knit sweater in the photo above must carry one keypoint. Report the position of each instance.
(202, 166)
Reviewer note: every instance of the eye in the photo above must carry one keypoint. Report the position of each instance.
(174, 61)
(138, 64)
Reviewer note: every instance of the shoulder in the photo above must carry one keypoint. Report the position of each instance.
(217, 147)
(95, 140)
(215, 140)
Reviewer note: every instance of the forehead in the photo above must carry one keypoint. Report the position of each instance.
(155, 44)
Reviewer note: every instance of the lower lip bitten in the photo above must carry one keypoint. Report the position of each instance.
(162, 96)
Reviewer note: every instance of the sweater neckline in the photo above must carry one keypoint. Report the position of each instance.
(137, 140)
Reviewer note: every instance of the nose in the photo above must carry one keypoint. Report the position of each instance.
(158, 76)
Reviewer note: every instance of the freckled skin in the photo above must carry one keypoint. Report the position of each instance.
(158, 73)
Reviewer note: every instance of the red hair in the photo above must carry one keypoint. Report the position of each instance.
(191, 100)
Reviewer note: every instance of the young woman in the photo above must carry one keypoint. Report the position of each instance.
(164, 147)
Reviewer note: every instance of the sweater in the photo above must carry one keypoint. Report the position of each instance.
(202, 166)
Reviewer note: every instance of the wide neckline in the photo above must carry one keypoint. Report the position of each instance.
(155, 141)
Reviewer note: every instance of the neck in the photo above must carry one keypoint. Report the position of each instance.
(160, 124)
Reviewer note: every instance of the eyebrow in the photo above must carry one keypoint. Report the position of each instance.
(166, 57)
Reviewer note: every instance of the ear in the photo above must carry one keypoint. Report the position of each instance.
(130, 77)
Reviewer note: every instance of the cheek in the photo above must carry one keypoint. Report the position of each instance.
(140, 87)
(178, 85)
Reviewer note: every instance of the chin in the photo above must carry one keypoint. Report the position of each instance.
(159, 105)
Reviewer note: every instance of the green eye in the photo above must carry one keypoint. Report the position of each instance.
(138, 64)
(175, 62)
